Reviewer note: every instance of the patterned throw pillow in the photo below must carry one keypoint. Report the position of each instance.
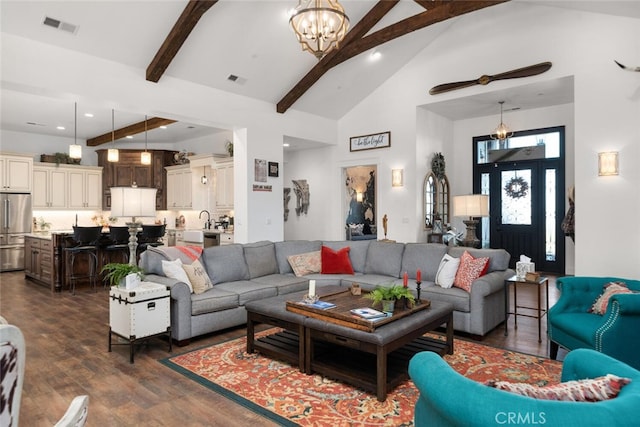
(336, 262)
(469, 270)
(447, 270)
(306, 263)
(611, 288)
(588, 390)
(199, 278)
(173, 269)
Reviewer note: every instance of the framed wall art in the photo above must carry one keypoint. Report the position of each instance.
(369, 142)
(273, 169)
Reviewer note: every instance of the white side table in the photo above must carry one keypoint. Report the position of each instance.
(139, 313)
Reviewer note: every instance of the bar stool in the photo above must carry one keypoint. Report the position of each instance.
(119, 244)
(151, 236)
(85, 244)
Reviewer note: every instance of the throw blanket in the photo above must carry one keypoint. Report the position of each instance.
(187, 254)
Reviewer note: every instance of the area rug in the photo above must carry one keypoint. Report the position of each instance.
(283, 394)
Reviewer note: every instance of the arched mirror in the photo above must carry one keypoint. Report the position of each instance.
(436, 200)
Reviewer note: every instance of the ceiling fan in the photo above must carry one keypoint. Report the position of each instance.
(531, 70)
(624, 67)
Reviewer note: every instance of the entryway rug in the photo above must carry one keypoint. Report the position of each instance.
(283, 394)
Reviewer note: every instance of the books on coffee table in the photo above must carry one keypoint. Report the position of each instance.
(368, 313)
(322, 305)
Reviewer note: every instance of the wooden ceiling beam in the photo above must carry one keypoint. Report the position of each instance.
(152, 123)
(439, 13)
(372, 17)
(177, 36)
(356, 43)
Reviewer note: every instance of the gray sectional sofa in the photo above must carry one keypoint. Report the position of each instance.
(247, 272)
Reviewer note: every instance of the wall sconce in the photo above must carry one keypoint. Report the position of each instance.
(396, 178)
(358, 196)
(608, 163)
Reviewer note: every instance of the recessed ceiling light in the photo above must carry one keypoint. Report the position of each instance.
(163, 127)
(129, 137)
(375, 55)
(88, 114)
(60, 127)
(286, 144)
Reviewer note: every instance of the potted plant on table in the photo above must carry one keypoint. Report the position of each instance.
(388, 295)
(116, 274)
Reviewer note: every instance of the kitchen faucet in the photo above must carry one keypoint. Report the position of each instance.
(207, 225)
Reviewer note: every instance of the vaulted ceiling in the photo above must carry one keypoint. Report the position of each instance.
(251, 40)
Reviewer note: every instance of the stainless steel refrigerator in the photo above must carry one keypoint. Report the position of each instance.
(15, 222)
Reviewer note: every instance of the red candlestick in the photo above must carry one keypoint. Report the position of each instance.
(418, 276)
(405, 279)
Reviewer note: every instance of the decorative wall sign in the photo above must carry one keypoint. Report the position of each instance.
(273, 169)
(260, 170)
(369, 142)
(262, 187)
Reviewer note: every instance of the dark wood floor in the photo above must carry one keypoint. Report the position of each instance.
(67, 355)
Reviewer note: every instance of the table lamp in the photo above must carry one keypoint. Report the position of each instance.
(134, 202)
(471, 206)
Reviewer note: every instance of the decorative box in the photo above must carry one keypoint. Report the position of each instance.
(140, 312)
(522, 268)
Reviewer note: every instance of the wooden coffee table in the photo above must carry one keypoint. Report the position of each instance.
(376, 361)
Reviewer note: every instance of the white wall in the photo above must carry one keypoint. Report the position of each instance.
(604, 117)
(315, 166)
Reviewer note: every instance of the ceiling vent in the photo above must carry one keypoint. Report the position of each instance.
(236, 79)
(63, 26)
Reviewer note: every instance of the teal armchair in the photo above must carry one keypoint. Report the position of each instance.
(450, 399)
(616, 333)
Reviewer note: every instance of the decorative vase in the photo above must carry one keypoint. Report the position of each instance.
(388, 305)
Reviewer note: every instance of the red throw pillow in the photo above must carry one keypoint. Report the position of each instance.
(469, 270)
(336, 262)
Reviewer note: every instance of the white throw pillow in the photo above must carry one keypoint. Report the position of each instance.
(447, 269)
(173, 269)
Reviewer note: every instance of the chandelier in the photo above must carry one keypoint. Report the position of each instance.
(320, 25)
(502, 132)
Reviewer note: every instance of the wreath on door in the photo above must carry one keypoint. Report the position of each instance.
(516, 187)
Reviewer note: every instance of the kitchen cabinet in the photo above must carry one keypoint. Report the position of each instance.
(16, 173)
(128, 170)
(49, 187)
(179, 187)
(85, 187)
(226, 238)
(224, 184)
(38, 260)
(66, 187)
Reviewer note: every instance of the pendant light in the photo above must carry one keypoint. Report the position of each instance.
(113, 155)
(502, 132)
(145, 157)
(203, 178)
(75, 150)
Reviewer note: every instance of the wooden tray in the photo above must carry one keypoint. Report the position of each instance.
(341, 313)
